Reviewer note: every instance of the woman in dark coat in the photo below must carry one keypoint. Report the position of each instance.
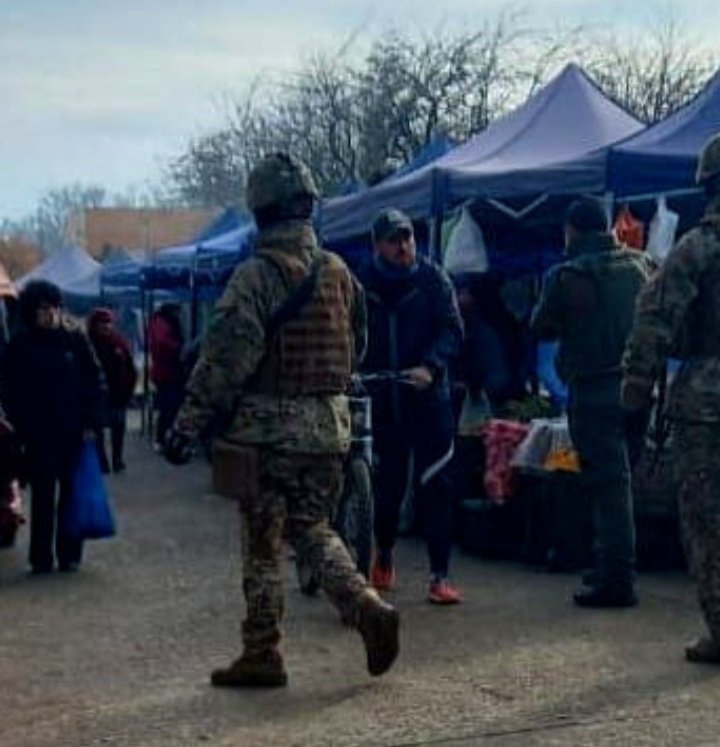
(167, 370)
(116, 360)
(52, 389)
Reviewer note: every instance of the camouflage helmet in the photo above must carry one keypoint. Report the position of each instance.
(709, 160)
(276, 180)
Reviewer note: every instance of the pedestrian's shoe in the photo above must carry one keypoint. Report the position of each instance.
(598, 596)
(441, 591)
(118, 466)
(379, 624)
(70, 567)
(703, 651)
(382, 576)
(261, 669)
(590, 577)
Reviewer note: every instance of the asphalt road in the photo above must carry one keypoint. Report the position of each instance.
(119, 654)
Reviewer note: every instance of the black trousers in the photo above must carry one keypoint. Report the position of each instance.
(168, 398)
(50, 493)
(117, 420)
(427, 435)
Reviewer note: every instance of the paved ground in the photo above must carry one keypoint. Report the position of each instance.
(119, 654)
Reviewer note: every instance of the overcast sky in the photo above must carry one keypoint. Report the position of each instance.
(103, 92)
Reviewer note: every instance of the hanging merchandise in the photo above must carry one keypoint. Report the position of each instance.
(661, 234)
(629, 230)
(466, 250)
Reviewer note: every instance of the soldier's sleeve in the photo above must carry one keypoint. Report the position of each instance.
(231, 351)
(358, 321)
(661, 310)
(548, 316)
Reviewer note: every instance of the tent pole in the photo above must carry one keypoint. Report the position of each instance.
(438, 210)
(609, 203)
(193, 298)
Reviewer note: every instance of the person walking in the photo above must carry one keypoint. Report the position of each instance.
(116, 360)
(678, 316)
(52, 387)
(274, 368)
(167, 370)
(587, 303)
(415, 328)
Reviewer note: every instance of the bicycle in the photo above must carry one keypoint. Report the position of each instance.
(353, 517)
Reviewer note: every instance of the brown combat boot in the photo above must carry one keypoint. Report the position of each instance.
(253, 669)
(378, 623)
(703, 651)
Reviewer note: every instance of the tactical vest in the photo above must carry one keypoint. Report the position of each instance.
(311, 353)
(595, 346)
(700, 336)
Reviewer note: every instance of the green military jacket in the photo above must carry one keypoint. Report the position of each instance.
(219, 389)
(588, 303)
(678, 316)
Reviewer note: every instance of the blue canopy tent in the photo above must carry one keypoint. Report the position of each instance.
(662, 159)
(75, 272)
(179, 268)
(555, 143)
(436, 148)
(228, 220)
(217, 257)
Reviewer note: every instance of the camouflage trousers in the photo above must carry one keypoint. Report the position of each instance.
(697, 450)
(300, 492)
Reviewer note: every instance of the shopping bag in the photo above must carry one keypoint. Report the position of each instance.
(661, 235)
(465, 251)
(88, 514)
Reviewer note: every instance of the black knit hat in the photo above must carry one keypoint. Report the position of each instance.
(35, 294)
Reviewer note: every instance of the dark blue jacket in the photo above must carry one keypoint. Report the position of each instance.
(53, 390)
(412, 322)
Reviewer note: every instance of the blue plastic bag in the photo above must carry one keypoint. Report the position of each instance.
(88, 514)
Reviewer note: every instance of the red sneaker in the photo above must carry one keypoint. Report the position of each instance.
(443, 592)
(383, 579)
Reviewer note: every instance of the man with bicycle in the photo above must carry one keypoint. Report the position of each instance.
(414, 329)
(275, 366)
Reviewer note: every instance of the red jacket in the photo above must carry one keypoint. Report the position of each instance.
(165, 353)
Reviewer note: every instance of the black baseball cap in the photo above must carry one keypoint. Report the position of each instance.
(390, 223)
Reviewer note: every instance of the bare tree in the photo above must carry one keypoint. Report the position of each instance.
(49, 226)
(651, 76)
(351, 118)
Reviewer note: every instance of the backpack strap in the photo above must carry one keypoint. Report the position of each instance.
(298, 298)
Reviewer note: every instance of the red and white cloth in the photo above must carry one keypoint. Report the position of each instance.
(501, 439)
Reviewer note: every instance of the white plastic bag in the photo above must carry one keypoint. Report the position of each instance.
(466, 250)
(661, 234)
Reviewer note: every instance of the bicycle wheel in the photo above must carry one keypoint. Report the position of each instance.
(359, 525)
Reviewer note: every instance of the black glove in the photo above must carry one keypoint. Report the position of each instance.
(179, 447)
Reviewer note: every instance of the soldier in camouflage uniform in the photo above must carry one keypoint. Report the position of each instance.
(280, 388)
(678, 315)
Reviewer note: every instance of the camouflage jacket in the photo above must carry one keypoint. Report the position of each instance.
(678, 315)
(234, 347)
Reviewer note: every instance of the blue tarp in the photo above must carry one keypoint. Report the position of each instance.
(555, 143)
(663, 157)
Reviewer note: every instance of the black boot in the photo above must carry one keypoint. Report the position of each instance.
(599, 596)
